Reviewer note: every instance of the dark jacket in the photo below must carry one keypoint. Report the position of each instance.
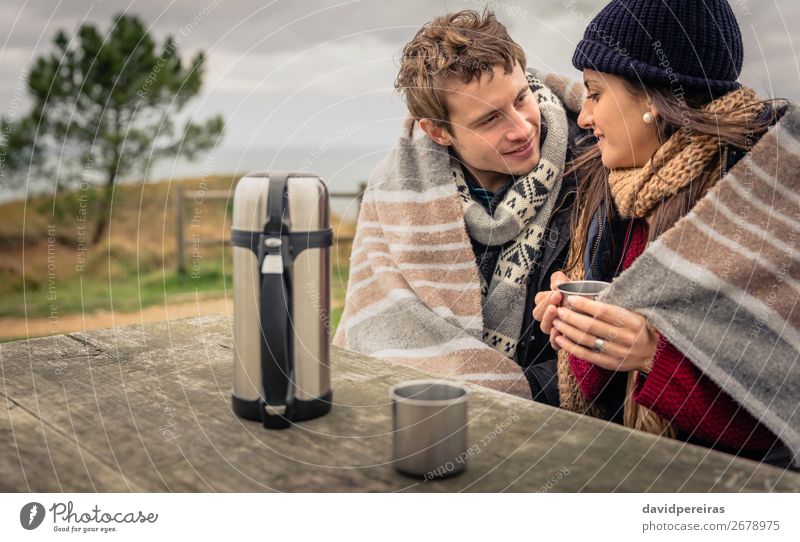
(534, 353)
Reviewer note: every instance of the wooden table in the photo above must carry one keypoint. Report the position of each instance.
(148, 409)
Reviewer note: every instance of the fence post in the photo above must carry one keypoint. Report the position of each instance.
(179, 231)
(362, 187)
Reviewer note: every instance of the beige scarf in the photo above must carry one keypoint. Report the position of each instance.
(679, 161)
(637, 192)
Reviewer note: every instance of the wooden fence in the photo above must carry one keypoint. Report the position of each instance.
(183, 196)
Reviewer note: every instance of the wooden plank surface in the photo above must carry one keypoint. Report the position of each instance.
(148, 409)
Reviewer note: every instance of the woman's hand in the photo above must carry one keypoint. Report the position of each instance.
(546, 304)
(628, 343)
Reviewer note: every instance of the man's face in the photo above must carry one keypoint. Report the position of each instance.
(495, 124)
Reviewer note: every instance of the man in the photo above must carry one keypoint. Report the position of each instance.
(462, 224)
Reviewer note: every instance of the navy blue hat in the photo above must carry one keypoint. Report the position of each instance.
(694, 44)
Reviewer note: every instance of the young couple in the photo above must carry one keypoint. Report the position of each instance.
(661, 174)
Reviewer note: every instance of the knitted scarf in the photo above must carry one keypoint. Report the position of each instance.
(414, 294)
(679, 161)
(719, 284)
(521, 217)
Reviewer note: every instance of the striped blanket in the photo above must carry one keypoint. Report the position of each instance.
(414, 294)
(723, 284)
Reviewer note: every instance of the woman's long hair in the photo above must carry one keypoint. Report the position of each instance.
(684, 112)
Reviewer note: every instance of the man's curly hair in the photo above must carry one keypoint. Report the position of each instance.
(457, 46)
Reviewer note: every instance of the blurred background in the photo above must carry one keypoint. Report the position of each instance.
(127, 124)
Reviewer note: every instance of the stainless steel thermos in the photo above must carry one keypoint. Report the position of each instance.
(281, 239)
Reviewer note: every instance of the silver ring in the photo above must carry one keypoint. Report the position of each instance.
(599, 344)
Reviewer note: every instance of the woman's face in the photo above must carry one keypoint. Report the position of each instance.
(615, 116)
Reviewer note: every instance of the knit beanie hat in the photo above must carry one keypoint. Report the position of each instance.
(694, 44)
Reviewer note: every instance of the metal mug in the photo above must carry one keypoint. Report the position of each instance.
(429, 423)
(589, 289)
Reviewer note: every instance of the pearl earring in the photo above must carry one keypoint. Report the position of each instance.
(648, 118)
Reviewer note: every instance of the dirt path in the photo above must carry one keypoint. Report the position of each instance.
(19, 328)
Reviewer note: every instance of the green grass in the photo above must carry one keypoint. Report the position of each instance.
(338, 284)
(77, 294)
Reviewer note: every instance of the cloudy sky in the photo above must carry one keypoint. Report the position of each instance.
(311, 81)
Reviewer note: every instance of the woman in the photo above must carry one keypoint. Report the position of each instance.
(671, 121)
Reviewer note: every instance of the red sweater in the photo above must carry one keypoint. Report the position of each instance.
(677, 390)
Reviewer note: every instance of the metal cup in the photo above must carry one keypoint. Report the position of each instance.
(589, 289)
(429, 423)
